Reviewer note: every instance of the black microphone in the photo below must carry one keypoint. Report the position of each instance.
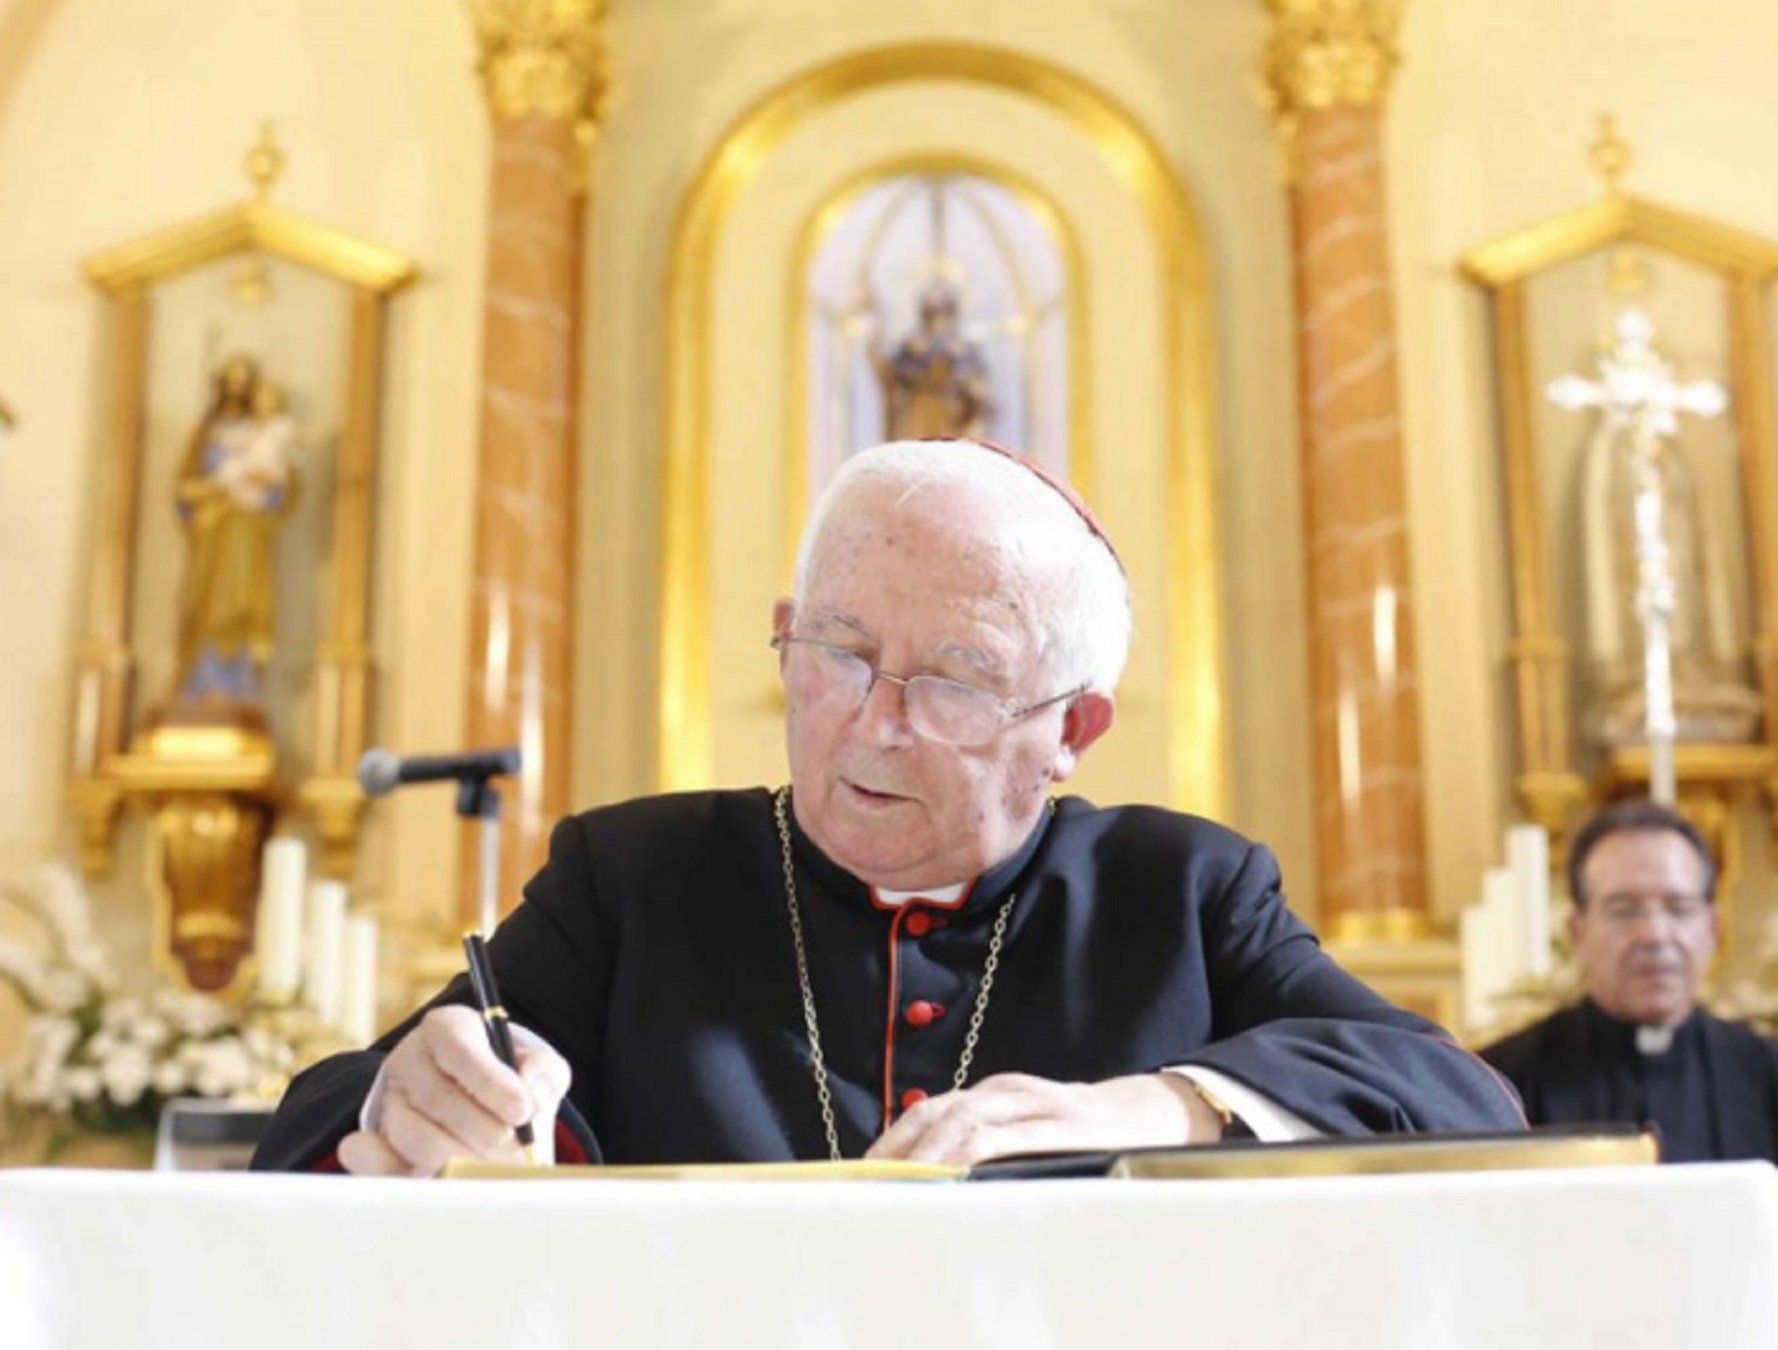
(383, 771)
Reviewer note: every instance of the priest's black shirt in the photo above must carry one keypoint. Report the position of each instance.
(1712, 1094)
(654, 952)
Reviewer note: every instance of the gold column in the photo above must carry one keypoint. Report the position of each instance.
(1325, 69)
(542, 63)
(343, 667)
(1547, 786)
(1751, 354)
(106, 664)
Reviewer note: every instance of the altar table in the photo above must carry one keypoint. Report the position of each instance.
(1664, 1258)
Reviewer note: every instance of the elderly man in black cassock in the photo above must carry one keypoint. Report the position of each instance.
(1638, 1048)
(914, 950)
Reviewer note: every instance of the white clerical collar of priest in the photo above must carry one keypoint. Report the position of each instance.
(938, 895)
(1654, 1040)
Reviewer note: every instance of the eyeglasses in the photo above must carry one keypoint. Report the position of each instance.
(1625, 911)
(943, 710)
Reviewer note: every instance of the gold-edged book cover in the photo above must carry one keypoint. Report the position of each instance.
(1373, 1157)
(1544, 1148)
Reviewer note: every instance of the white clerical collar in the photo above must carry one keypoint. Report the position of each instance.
(940, 895)
(1654, 1040)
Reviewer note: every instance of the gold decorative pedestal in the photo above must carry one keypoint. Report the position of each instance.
(211, 792)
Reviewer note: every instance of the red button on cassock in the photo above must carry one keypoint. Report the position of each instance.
(912, 1098)
(919, 924)
(920, 1013)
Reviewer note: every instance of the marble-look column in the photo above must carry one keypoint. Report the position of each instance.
(542, 63)
(1326, 69)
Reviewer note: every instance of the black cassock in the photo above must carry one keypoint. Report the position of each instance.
(1712, 1093)
(654, 952)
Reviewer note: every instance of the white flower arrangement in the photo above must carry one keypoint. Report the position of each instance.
(97, 1058)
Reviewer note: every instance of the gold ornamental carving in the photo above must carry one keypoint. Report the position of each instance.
(1326, 54)
(1329, 53)
(542, 58)
(207, 884)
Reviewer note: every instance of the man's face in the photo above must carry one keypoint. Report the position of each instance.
(1645, 936)
(924, 586)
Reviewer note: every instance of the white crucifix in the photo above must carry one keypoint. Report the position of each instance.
(1637, 395)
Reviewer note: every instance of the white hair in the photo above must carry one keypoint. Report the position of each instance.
(1084, 633)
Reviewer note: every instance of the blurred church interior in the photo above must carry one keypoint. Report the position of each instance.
(429, 373)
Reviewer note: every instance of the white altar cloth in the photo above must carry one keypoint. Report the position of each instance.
(1665, 1258)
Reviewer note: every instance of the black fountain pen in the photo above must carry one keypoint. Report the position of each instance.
(487, 997)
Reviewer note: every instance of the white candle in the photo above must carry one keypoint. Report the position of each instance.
(1472, 937)
(282, 866)
(1528, 854)
(359, 1019)
(327, 920)
(1501, 899)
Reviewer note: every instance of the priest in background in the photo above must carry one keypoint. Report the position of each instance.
(1638, 1048)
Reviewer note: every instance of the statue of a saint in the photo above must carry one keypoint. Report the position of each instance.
(235, 487)
(935, 383)
(1634, 447)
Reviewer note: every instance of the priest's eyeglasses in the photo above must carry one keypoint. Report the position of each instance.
(1627, 910)
(940, 709)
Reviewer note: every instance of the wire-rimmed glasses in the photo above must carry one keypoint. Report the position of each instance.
(940, 709)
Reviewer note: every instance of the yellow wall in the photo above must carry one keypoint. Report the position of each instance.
(118, 116)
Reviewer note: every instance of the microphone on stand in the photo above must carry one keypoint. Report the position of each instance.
(381, 771)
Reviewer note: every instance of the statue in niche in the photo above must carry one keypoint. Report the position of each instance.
(1639, 402)
(935, 383)
(236, 486)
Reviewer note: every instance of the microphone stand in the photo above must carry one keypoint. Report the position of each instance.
(479, 799)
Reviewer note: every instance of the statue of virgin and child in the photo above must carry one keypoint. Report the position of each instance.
(235, 489)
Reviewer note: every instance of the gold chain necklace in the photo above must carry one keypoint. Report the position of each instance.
(818, 1061)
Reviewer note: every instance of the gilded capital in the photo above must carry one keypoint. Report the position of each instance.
(1327, 54)
(542, 57)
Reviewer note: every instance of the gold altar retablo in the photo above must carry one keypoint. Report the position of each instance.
(201, 759)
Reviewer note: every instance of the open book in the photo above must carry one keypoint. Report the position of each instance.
(1560, 1146)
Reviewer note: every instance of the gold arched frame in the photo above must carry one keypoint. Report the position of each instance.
(211, 807)
(1197, 758)
(820, 224)
(1549, 785)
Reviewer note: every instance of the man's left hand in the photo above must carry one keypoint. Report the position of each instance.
(1018, 1113)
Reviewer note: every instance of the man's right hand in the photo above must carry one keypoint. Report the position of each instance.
(446, 1095)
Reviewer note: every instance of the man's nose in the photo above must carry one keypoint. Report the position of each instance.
(1653, 923)
(883, 716)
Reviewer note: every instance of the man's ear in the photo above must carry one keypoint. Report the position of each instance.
(1088, 717)
(1577, 919)
(783, 614)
